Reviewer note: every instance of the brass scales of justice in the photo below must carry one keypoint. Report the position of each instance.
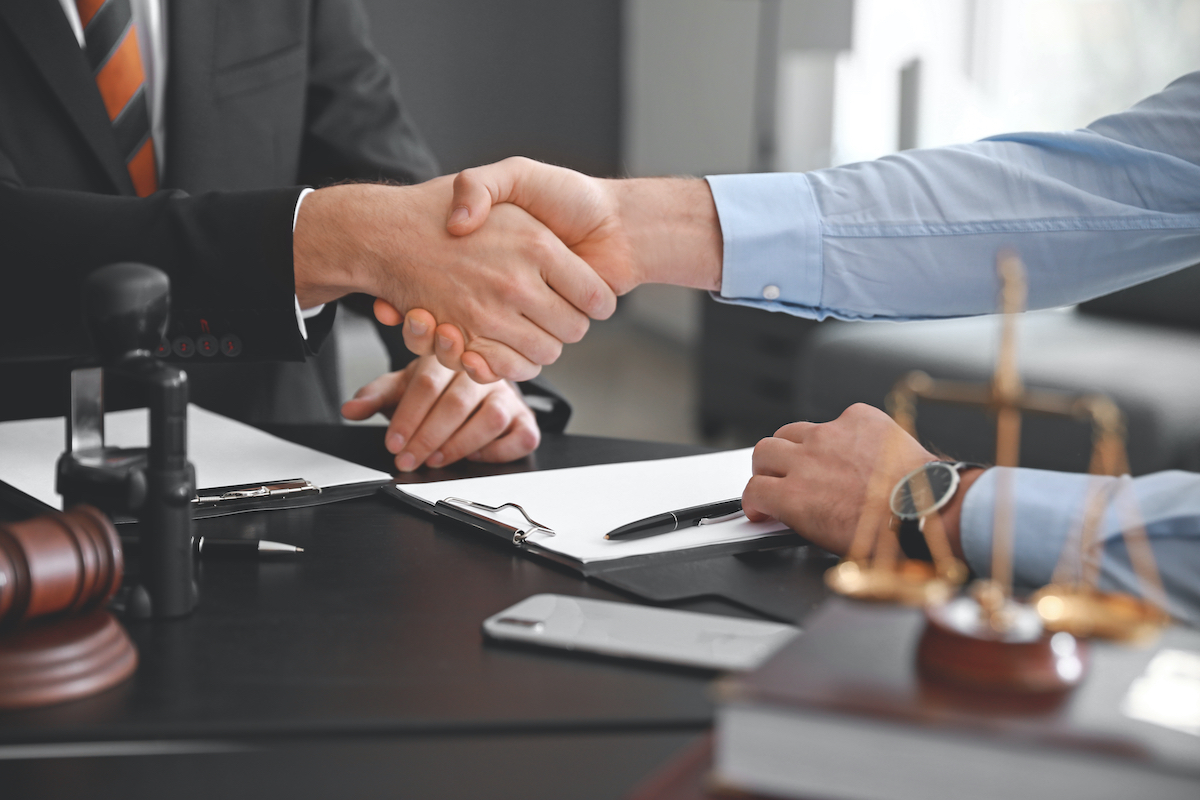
(987, 639)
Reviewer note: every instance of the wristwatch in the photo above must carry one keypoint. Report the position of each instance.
(924, 491)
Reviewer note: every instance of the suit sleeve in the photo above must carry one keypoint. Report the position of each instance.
(228, 255)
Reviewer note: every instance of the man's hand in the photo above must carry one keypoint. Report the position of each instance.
(660, 230)
(439, 416)
(514, 290)
(816, 477)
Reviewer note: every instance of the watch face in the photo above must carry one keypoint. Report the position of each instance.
(924, 490)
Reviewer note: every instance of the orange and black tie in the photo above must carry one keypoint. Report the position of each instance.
(111, 45)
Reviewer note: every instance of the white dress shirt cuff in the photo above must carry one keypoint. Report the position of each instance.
(772, 242)
(308, 313)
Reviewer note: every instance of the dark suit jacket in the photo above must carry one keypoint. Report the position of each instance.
(260, 95)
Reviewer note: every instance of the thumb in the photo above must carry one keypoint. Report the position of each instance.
(477, 189)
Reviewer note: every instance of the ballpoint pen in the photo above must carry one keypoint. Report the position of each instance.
(243, 548)
(708, 514)
(231, 548)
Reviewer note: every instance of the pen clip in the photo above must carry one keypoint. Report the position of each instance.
(255, 491)
(722, 518)
(521, 535)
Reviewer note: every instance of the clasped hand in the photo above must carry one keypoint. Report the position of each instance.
(513, 291)
(632, 231)
(438, 416)
(548, 222)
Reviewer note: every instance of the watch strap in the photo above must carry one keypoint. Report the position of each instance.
(912, 540)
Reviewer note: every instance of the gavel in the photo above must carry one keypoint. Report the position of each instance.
(57, 643)
(57, 564)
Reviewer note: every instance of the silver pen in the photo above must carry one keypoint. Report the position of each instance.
(243, 548)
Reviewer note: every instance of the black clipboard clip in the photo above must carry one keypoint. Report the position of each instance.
(519, 535)
(255, 492)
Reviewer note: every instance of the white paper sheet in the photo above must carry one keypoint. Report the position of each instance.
(225, 452)
(581, 504)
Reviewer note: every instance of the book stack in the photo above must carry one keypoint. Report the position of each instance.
(842, 712)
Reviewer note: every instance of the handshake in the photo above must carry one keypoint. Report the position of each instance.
(494, 269)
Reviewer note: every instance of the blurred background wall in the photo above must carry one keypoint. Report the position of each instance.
(653, 87)
(486, 80)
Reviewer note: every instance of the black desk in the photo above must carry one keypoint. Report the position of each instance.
(358, 669)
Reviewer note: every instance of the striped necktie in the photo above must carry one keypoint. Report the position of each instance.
(111, 44)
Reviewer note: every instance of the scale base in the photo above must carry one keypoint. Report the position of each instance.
(960, 646)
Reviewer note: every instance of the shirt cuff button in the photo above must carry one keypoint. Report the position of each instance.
(771, 292)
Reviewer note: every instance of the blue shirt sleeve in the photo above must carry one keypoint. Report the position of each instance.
(1047, 521)
(915, 235)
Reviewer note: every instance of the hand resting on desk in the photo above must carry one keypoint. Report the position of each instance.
(439, 416)
(816, 478)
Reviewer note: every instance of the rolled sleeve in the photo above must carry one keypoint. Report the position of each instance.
(772, 242)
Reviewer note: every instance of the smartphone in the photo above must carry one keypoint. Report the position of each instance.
(626, 630)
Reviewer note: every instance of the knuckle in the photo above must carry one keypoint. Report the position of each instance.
(494, 416)
(596, 301)
(553, 351)
(543, 245)
(860, 410)
(425, 382)
(543, 356)
(520, 293)
(457, 402)
(527, 437)
(753, 488)
(577, 328)
(785, 430)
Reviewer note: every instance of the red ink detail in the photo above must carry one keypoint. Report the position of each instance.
(204, 326)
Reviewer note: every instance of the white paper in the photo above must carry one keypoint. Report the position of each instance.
(225, 452)
(581, 504)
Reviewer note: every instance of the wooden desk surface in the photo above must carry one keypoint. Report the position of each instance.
(367, 649)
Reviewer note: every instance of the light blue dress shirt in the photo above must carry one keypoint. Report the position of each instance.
(915, 236)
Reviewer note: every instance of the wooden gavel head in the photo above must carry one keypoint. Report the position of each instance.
(57, 564)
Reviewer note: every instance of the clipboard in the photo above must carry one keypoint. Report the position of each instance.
(771, 573)
(518, 537)
(241, 467)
